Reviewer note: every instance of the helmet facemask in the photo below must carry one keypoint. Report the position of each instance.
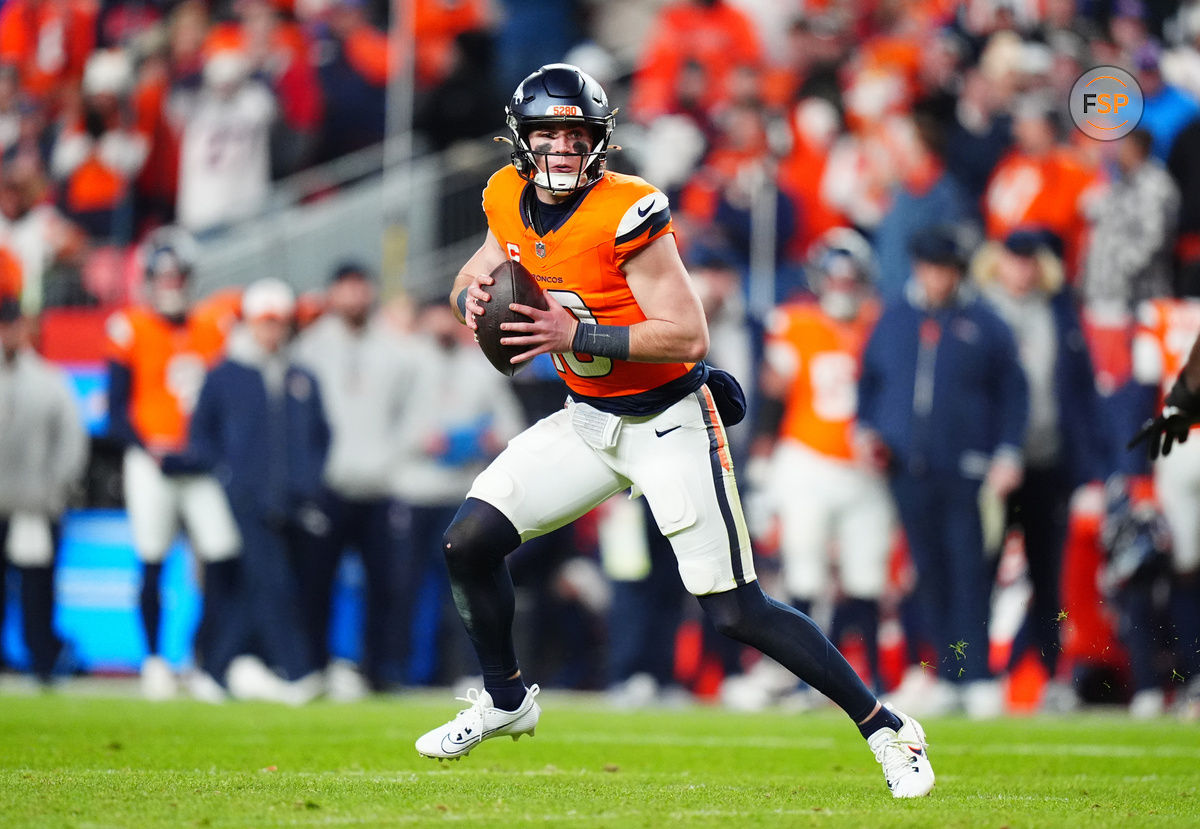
(526, 156)
(841, 271)
(840, 288)
(168, 255)
(559, 96)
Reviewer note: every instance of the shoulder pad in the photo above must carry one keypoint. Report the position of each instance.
(641, 211)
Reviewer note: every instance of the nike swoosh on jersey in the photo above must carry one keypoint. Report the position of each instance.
(642, 211)
(667, 431)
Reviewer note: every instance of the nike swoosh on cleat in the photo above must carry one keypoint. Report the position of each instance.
(667, 431)
(456, 748)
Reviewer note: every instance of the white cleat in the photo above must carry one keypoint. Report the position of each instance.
(157, 680)
(904, 755)
(249, 679)
(344, 682)
(480, 722)
(204, 688)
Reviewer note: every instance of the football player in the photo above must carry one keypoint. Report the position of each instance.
(826, 502)
(158, 354)
(627, 334)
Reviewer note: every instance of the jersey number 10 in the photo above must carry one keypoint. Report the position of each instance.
(590, 366)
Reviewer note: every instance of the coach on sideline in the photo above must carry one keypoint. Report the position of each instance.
(259, 427)
(943, 407)
(43, 451)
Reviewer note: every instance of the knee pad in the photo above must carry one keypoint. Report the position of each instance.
(478, 530)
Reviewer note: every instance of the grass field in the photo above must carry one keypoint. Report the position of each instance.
(71, 760)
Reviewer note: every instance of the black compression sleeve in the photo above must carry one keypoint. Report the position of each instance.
(602, 340)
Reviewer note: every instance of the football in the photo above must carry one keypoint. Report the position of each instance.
(514, 283)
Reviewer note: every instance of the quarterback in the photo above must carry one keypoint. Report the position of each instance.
(627, 334)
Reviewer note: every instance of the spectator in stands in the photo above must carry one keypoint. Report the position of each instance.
(459, 414)
(734, 183)
(436, 26)
(1129, 251)
(1063, 449)
(11, 105)
(48, 41)
(168, 78)
(943, 408)
(99, 152)
(225, 156)
(923, 196)
(11, 279)
(815, 123)
(816, 47)
(1167, 109)
(1039, 182)
(49, 246)
(708, 38)
(352, 66)
(158, 354)
(125, 23)
(278, 54)
(260, 428)
(979, 134)
(461, 105)
(1180, 66)
(43, 451)
(365, 382)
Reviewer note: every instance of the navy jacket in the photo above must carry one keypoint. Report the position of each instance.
(944, 388)
(1086, 448)
(269, 455)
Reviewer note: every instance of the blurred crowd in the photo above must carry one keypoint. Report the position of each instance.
(974, 307)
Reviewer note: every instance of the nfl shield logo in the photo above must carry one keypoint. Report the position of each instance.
(540, 249)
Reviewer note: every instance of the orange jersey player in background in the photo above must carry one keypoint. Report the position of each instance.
(158, 355)
(830, 507)
(644, 413)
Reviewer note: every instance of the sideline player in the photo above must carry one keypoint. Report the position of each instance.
(627, 335)
(830, 506)
(158, 355)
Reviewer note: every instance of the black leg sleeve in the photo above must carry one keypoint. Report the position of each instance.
(475, 545)
(791, 639)
(151, 605)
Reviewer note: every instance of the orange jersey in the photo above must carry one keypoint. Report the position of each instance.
(48, 43)
(167, 364)
(1166, 330)
(720, 38)
(1040, 191)
(11, 280)
(822, 357)
(579, 264)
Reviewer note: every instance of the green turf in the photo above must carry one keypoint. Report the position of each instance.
(79, 761)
